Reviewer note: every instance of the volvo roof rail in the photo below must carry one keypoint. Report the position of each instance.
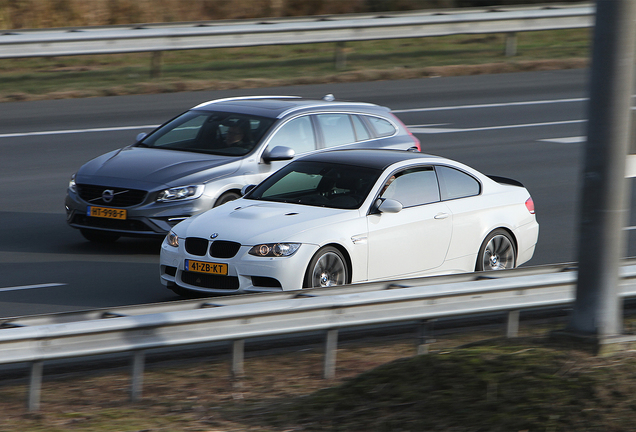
(244, 98)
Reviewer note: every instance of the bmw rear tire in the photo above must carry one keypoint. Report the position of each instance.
(497, 252)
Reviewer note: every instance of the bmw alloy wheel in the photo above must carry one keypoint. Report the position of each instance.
(327, 268)
(497, 252)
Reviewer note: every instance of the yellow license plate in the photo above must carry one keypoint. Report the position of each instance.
(105, 212)
(205, 267)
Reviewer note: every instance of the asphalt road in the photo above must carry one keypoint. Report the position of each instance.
(528, 126)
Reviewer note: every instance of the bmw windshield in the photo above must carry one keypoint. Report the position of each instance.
(217, 133)
(318, 184)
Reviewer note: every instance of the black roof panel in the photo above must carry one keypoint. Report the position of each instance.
(377, 158)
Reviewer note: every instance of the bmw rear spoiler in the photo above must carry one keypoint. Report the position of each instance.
(505, 180)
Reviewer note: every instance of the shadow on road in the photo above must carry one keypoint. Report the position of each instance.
(49, 233)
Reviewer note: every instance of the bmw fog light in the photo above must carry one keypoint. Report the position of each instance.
(274, 249)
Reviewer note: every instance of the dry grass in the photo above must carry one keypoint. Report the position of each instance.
(190, 397)
(462, 385)
(17, 14)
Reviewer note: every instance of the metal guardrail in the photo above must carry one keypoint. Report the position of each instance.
(365, 304)
(345, 28)
(233, 300)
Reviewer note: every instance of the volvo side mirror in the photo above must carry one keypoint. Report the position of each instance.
(278, 153)
(246, 189)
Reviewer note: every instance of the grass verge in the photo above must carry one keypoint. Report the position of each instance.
(468, 382)
(107, 75)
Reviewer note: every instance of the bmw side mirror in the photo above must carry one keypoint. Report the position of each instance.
(278, 153)
(389, 205)
(141, 136)
(246, 189)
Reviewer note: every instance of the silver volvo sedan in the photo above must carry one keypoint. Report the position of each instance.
(205, 156)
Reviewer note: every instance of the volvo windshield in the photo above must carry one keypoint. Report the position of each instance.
(218, 133)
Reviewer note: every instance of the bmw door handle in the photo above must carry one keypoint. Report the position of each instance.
(441, 215)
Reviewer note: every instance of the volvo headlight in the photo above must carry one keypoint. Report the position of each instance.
(180, 193)
(274, 249)
(71, 184)
(172, 239)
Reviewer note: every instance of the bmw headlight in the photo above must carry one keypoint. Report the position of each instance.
(172, 239)
(180, 193)
(274, 249)
(71, 184)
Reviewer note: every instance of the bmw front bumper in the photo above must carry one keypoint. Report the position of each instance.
(245, 273)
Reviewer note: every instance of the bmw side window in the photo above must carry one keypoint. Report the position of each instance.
(456, 184)
(337, 129)
(297, 134)
(383, 127)
(413, 187)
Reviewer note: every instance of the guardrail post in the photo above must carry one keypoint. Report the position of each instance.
(238, 355)
(35, 386)
(424, 335)
(511, 44)
(340, 56)
(512, 328)
(331, 348)
(137, 383)
(155, 64)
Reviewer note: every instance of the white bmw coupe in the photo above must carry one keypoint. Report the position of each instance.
(351, 216)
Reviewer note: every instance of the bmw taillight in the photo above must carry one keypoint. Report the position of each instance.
(530, 205)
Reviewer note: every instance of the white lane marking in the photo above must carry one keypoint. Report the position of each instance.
(428, 130)
(446, 108)
(122, 128)
(428, 125)
(25, 287)
(566, 140)
(487, 128)
(493, 105)
(76, 131)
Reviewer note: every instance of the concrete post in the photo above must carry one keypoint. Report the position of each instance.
(604, 206)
